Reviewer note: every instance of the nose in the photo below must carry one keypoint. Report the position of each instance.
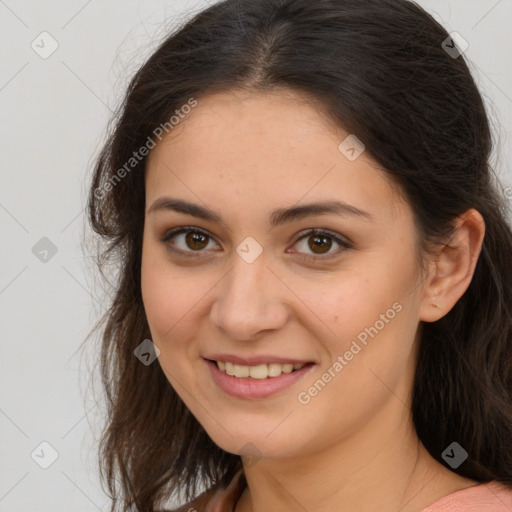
(251, 301)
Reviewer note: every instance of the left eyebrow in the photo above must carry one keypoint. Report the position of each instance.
(276, 217)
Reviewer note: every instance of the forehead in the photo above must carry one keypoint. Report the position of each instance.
(254, 150)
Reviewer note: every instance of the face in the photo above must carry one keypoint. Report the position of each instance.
(250, 283)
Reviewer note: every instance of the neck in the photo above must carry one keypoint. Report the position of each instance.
(382, 467)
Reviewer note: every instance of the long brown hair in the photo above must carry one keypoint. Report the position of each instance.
(382, 69)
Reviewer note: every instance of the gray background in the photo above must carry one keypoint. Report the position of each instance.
(54, 113)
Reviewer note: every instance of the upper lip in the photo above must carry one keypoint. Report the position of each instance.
(255, 360)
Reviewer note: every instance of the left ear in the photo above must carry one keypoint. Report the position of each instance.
(453, 267)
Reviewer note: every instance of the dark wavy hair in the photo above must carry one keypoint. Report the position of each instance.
(381, 69)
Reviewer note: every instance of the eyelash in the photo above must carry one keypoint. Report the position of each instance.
(304, 234)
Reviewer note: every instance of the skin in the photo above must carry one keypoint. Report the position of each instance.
(353, 446)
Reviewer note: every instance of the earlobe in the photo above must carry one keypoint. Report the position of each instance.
(453, 267)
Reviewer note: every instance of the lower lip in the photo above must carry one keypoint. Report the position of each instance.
(255, 388)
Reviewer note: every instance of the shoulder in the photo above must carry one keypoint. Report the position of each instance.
(198, 504)
(490, 496)
(217, 498)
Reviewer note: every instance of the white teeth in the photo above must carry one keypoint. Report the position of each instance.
(274, 370)
(241, 371)
(287, 368)
(230, 368)
(260, 371)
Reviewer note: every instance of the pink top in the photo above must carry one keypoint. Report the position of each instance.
(486, 497)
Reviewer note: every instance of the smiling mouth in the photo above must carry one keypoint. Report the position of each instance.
(258, 381)
(260, 371)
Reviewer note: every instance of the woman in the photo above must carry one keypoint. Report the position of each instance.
(313, 308)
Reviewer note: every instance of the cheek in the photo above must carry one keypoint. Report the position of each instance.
(163, 296)
(346, 393)
(172, 302)
(372, 316)
(156, 295)
(165, 290)
(357, 300)
(164, 305)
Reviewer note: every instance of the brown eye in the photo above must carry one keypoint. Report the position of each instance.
(195, 240)
(320, 242)
(187, 240)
